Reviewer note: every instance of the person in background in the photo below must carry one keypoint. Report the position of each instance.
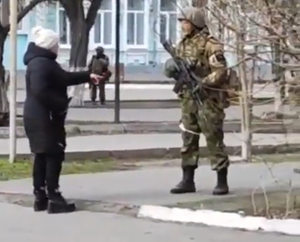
(45, 110)
(99, 64)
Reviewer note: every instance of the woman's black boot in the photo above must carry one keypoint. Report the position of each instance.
(40, 200)
(58, 204)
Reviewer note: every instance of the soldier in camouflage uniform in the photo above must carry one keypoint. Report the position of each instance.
(206, 55)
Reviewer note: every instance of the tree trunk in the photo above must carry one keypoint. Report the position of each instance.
(78, 57)
(245, 105)
(4, 105)
(277, 72)
(244, 99)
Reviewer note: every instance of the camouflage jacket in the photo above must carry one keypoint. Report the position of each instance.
(206, 56)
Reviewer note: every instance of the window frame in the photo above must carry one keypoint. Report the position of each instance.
(145, 12)
(94, 44)
(168, 14)
(59, 9)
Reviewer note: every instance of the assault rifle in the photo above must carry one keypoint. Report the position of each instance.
(186, 76)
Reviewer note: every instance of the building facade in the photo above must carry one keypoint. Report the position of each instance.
(144, 24)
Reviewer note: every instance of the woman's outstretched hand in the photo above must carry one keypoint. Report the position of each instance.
(96, 78)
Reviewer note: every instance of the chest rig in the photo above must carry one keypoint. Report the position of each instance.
(193, 50)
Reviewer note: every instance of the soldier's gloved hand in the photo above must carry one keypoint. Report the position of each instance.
(197, 88)
(170, 69)
(199, 85)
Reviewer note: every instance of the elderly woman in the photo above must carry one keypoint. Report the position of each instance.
(44, 115)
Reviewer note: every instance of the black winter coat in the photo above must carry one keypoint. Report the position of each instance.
(47, 99)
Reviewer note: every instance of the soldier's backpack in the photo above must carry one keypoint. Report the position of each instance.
(231, 86)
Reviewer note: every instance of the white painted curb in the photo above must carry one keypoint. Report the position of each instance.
(220, 219)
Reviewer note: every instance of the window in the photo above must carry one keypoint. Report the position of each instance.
(103, 27)
(64, 27)
(168, 20)
(136, 22)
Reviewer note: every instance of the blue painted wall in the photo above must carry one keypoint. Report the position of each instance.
(22, 41)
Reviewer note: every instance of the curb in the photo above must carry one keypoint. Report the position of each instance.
(163, 153)
(220, 219)
(150, 128)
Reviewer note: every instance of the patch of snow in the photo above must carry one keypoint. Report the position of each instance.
(220, 219)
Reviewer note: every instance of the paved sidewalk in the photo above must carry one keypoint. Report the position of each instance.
(20, 224)
(151, 185)
(136, 188)
(136, 92)
(140, 142)
(153, 115)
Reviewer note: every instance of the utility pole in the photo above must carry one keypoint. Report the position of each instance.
(13, 10)
(117, 63)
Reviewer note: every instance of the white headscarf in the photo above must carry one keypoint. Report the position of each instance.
(44, 38)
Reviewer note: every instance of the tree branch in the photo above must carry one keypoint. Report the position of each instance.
(92, 13)
(24, 12)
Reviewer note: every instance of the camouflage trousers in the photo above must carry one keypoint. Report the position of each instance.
(93, 92)
(209, 122)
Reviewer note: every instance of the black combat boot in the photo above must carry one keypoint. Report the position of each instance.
(187, 184)
(58, 204)
(222, 185)
(40, 200)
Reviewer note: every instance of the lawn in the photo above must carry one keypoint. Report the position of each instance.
(23, 168)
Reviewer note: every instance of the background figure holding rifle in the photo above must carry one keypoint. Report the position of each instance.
(199, 67)
(99, 64)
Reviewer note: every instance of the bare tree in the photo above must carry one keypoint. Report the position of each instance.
(4, 30)
(227, 21)
(82, 15)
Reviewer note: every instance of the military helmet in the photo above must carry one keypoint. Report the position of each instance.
(193, 15)
(100, 49)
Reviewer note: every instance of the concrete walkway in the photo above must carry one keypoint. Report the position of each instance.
(151, 185)
(136, 142)
(139, 92)
(153, 115)
(136, 188)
